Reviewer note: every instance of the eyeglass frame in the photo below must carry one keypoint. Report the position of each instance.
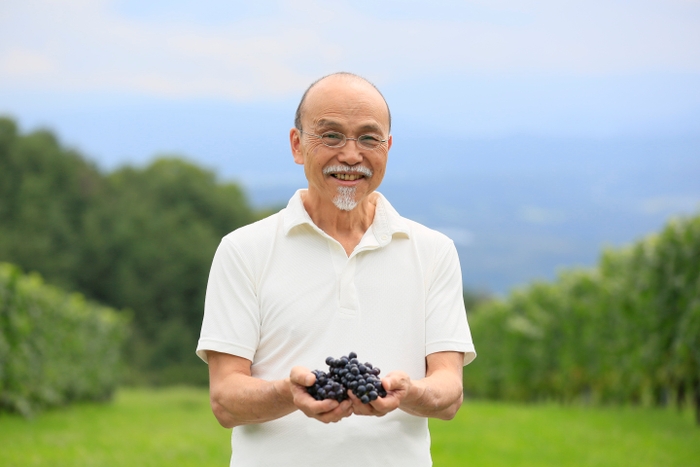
(345, 139)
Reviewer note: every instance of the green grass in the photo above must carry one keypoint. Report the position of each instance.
(500, 434)
(175, 427)
(141, 428)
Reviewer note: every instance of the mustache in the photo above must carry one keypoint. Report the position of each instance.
(348, 169)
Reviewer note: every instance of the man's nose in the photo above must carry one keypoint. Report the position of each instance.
(351, 153)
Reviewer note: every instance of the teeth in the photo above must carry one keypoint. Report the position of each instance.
(348, 177)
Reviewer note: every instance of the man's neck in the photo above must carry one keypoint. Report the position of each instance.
(347, 227)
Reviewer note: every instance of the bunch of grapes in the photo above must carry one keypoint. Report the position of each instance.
(347, 373)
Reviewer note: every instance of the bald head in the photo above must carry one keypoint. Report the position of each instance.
(340, 75)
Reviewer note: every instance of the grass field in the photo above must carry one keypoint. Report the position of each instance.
(175, 427)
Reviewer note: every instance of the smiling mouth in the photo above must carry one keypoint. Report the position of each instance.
(348, 173)
(347, 177)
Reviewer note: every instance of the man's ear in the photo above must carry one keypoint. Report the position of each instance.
(295, 144)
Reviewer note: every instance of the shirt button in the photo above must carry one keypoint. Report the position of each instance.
(384, 237)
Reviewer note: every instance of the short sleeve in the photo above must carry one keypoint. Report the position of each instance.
(231, 322)
(446, 324)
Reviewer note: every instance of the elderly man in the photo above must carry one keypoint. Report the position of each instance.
(337, 270)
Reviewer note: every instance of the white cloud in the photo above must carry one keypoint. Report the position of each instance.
(669, 204)
(88, 45)
(538, 215)
(461, 237)
(21, 63)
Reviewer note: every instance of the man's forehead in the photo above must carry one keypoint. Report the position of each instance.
(344, 95)
(332, 123)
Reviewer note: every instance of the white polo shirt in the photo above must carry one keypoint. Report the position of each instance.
(283, 293)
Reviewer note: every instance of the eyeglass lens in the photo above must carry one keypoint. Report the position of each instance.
(335, 139)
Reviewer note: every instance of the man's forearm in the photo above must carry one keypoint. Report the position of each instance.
(240, 400)
(237, 398)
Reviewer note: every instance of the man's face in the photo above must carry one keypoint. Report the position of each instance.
(342, 175)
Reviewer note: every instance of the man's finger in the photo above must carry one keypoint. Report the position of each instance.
(302, 376)
(396, 381)
(329, 411)
(358, 407)
(343, 410)
(384, 405)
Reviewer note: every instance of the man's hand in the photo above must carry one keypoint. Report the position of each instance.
(326, 411)
(397, 385)
(437, 395)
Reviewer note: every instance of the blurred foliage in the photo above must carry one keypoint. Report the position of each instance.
(474, 298)
(55, 347)
(137, 238)
(627, 331)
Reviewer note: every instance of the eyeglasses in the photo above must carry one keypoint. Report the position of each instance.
(334, 139)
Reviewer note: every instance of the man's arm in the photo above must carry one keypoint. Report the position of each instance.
(438, 395)
(237, 398)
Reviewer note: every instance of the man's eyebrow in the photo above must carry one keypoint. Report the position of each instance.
(326, 123)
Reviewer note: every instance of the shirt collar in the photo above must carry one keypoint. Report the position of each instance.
(386, 223)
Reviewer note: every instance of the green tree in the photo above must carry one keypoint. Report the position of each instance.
(136, 238)
(625, 331)
(45, 191)
(148, 246)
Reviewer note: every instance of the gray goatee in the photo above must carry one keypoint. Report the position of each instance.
(345, 199)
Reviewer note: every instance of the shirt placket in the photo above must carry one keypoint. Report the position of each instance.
(347, 292)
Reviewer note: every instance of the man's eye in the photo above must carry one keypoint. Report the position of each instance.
(332, 136)
(370, 139)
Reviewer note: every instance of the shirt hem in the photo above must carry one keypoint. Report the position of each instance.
(467, 348)
(223, 347)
